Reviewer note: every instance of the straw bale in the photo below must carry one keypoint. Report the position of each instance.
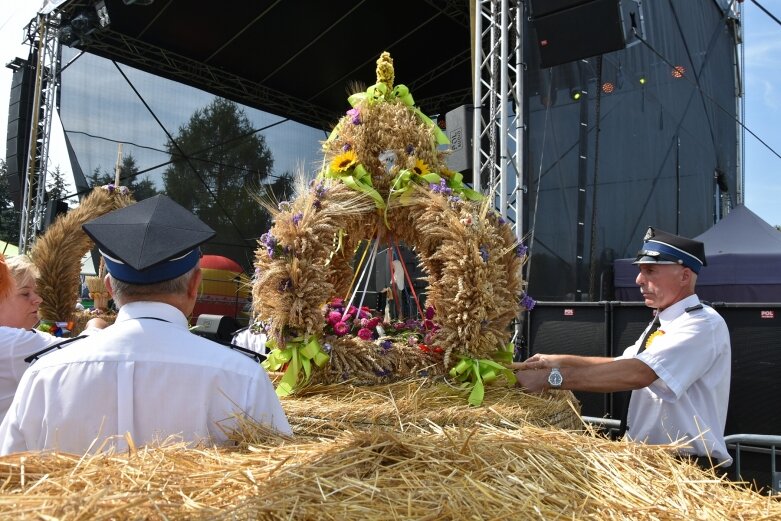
(80, 319)
(416, 404)
(514, 472)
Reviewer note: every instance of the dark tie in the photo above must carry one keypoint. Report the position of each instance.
(627, 394)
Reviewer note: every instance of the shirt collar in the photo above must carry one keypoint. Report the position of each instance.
(677, 309)
(135, 310)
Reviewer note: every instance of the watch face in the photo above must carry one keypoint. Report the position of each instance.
(555, 379)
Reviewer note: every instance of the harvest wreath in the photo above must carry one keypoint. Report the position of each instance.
(384, 181)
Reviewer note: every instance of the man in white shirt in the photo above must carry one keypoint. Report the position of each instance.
(146, 376)
(679, 370)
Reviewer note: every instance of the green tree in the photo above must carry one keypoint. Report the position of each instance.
(218, 164)
(9, 216)
(128, 176)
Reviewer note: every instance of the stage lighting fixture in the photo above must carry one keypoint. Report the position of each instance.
(608, 87)
(576, 94)
(642, 80)
(678, 71)
(102, 12)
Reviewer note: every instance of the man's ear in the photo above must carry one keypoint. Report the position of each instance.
(686, 276)
(107, 283)
(194, 285)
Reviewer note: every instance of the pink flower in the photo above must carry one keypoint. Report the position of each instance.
(334, 317)
(364, 322)
(365, 312)
(412, 341)
(365, 334)
(374, 322)
(337, 302)
(341, 329)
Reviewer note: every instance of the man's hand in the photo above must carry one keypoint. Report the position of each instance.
(532, 380)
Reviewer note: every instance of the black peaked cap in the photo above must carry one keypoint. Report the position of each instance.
(149, 232)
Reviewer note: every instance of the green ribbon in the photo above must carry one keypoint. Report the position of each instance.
(456, 183)
(474, 374)
(358, 178)
(299, 354)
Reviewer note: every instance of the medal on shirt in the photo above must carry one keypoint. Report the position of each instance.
(652, 337)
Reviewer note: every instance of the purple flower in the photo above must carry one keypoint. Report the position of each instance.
(347, 147)
(434, 188)
(297, 218)
(454, 199)
(355, 115)
(365, 334)
(410, 150)
(429, 313)
(484, 253)
(412, 341)
(386, 344)
(521, 250)
(341, 329)
(500, 220)
(527, 302)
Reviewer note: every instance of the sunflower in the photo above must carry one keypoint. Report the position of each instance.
(446, 172)
(420, 167)
(344, 161)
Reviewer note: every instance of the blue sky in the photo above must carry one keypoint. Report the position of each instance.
(762, 51)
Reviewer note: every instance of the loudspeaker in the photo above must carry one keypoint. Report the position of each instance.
(755, 391)
(216, 327)
(577, 328)
(18, 133)
(544, 7)
(54, 208)
(459, 123)
(581, 31)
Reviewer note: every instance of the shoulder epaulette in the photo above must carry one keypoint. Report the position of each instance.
(243, 350)
(59, 345)
(693, 308)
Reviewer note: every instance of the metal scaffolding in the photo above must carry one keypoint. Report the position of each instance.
(42, 38)
(498, 125)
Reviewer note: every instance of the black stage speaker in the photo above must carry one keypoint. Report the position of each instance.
(755, 391)
(578, 30)
(544, 7)
(629, 320)
(458, 128)
(18, 133)
(576, 328)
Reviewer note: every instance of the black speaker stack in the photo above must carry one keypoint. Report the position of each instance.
(607, 328)
(569, 30)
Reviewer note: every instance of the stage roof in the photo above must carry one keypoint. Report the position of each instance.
(293, 59)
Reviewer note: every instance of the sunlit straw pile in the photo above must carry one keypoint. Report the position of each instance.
(414, 405)
(521, 472)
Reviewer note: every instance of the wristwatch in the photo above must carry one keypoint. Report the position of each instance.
(554, 378)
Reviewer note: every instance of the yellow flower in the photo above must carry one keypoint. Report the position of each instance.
(344, 161)
(420, 168)
(446, 173)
